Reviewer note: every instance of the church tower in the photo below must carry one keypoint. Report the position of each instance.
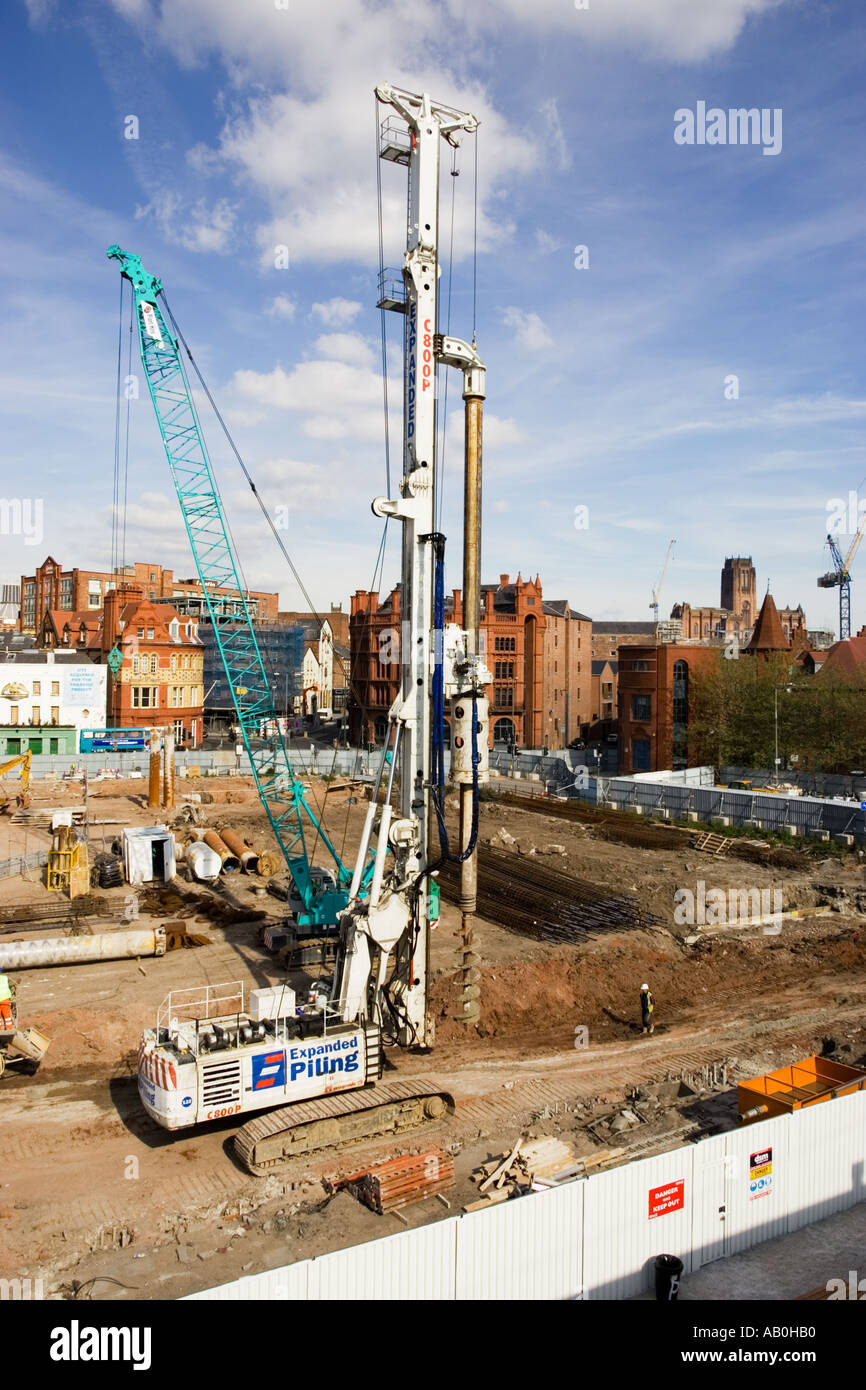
(739, 590)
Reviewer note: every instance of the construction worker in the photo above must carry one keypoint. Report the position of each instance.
(6, 995)
(647, 1005)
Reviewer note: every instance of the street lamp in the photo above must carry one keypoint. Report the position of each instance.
(785, 685)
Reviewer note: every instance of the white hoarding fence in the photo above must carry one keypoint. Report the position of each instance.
(598, 1237)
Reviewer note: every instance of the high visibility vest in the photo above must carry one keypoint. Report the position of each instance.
(5, 988)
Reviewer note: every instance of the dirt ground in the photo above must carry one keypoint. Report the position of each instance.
(100, 1202)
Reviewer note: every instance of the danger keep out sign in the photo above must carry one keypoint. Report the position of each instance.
(671, 1197)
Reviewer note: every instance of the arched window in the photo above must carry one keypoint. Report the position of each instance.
(154, 663)
(503, 733)
(135, 666)
(174, 661)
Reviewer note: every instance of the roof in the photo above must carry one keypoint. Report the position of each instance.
(846, 658)
(601, 626)
(605, 663)
(768, 635)
(561, 608)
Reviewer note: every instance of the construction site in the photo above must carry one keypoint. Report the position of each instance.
(365, 1000)
(574, 912)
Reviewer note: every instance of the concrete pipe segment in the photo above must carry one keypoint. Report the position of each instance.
(204, 861)
(248, 857)
(76, 950)
(229, 861)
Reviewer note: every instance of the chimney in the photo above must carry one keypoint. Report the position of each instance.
(503, 580)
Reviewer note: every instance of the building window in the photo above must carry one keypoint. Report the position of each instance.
(680, 712)
(640, 708)
(174, 661)
(55, 714)
(150, 634)
(640, 755)
(55, 687)
(13, 714)
(37, 687)
(154, 664)
(36, 715)
(179, 731)
(640, 665)
(144, 697)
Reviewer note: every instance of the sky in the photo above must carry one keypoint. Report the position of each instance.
(694, 373)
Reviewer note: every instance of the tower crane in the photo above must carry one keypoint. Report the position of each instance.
(212, 1053)
(654, 605)
(841, 576)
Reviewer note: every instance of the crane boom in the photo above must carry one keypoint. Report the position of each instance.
(661, 579)
(321, 897)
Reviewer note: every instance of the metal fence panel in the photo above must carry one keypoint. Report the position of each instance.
(412, 1264)
(621, 1236)
(710, 1169)
(523, 1249)
(830, 1142)
(757, 1202)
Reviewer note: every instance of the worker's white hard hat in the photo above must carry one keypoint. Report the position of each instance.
(643, 987)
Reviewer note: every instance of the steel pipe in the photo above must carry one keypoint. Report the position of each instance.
(249, 857)
(76, 950)
(229, 861)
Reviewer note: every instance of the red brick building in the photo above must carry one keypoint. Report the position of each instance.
(160, 679)
(54, 589)
(567, 672)
(513, 624)
(653, 703)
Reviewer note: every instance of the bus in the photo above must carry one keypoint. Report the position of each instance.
(114, 740)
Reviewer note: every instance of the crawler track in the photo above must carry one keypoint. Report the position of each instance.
(269, 1141)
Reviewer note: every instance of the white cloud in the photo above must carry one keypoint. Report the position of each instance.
(337, 312)
(529, 330)
(345, 347)
(678, 29)
(556, 141)
(195, 227)
(281, 307)
(340, 400)
(545, 243)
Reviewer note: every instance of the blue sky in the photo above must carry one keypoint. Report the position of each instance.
(606, 385)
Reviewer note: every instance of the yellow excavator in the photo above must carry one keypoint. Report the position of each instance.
(23, 798)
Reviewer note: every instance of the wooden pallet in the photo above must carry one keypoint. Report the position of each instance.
(711, 844)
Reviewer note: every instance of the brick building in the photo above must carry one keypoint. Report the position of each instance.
(567, 672)
(653, 698)
(54, 589)
(653, 703)
(159, 681)
(737, 614)
(513, 625)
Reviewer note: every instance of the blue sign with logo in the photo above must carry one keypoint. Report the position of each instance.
(269, 1069)
(187, 1100)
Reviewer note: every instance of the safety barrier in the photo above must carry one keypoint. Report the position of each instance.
(597, 1238)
